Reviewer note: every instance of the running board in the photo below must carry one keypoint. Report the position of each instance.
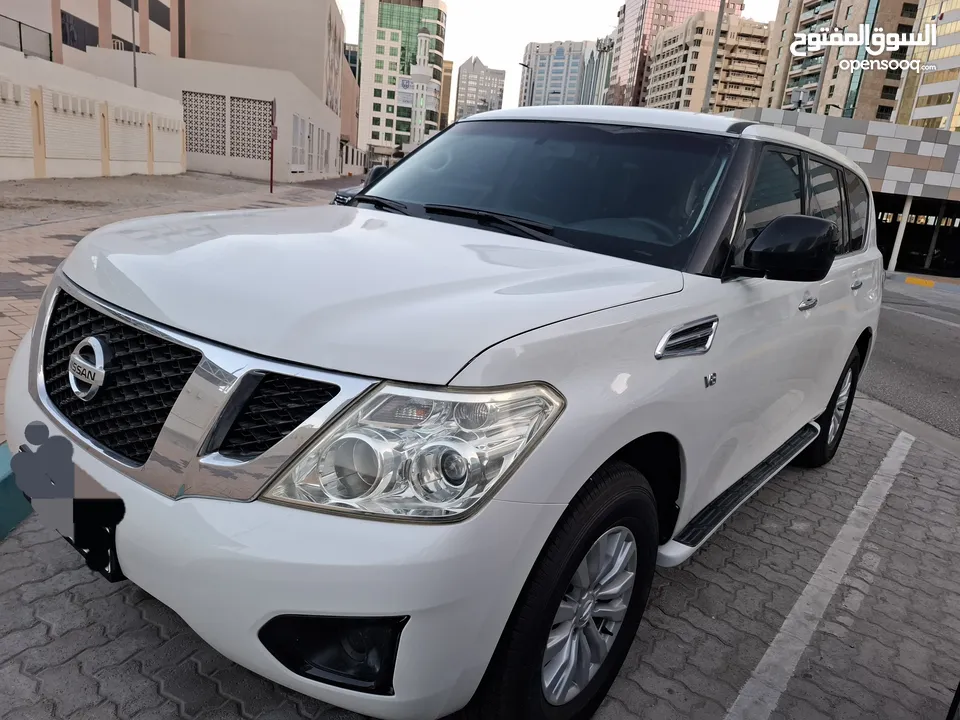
(712, 517)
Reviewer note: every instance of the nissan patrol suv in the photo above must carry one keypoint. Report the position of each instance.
(422, 453)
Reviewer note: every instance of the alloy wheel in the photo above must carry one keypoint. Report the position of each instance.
(590, 615)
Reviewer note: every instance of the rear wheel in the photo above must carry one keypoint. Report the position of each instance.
(580, 608)
(833, 422)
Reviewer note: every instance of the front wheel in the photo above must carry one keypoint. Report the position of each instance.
(580, 608)
(834, 419)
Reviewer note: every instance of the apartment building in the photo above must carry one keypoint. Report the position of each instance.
(816, 83)
(479, 88)
(446, 86)
(931, 99)
(638, 21)
(553, 72)
(62, 30)
(351, 52)
(679, 64)
(401, 60)
(596, 72)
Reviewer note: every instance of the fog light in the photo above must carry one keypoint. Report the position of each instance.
(353, 653)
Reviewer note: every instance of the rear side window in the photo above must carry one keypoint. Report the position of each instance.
(825, 199)
(858, 201)
(777, 191)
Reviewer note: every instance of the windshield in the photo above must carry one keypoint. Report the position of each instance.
(630, 192)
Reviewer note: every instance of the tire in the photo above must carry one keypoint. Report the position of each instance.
(822, 450)
(614, 505)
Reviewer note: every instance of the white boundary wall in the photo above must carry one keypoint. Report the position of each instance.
(56, 121)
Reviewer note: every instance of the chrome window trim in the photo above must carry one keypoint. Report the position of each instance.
(176, 467)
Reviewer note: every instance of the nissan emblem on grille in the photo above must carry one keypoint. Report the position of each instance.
(87, 367)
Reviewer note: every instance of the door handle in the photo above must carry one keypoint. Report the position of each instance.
(857, 284)
(807, 304)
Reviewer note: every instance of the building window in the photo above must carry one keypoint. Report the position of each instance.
(380, 49)
(378, 77)
(783, 34)
(689, 91)
(393, 52)
(889, 92)
(394, 37)
(377, 92)
(376, 107)
(376, 121)
(849, 10)
(836, 71)
(389, 122)
(375, 135)
(786, 17)
(909, 10)
(381, 34)
(830, 91)
(378, 64)
(391, 94)
(160, 14)
(393, 67)
(392, 80)
(884, 112)
(895, 75)
(77, 33)
(388, 137)
(769, 102)
(390, 109)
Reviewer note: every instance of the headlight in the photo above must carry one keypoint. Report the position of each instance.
(417, 453)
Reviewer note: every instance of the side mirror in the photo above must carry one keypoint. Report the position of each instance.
(796, 248)
(376, 172)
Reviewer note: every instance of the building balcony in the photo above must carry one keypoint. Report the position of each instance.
(826, 9)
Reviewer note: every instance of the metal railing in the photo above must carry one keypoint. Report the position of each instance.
(25, 38)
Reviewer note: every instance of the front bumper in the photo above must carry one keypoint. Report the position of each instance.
(227, 567)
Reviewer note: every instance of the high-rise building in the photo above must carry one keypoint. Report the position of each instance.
(679, 64)
(931, 98)
(596, 72)
(553, 72)
(640, 20)
(445, 88)
(479, 88)
(401, 59)
(816, 82)
(352, 53)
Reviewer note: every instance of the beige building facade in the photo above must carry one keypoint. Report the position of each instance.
(62, 30)
(818, 83)
(679, 64)
(445, 92)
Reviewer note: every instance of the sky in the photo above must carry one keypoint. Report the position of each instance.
(497, 31)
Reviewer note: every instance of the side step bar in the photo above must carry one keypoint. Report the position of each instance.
(712, 517)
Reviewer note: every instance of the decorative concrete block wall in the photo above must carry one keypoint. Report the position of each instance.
(901, 159)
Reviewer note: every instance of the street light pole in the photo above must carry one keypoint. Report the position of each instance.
(713, 58)
(133, 37)
(529, 92)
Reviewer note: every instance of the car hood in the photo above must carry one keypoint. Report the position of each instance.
(350, 289)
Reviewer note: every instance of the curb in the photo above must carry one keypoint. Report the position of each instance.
(14, 507)
(926, 282)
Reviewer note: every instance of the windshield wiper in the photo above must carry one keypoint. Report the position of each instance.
(381, 203)
(520, 226)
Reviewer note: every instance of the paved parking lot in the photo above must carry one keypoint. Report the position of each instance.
(833, 593)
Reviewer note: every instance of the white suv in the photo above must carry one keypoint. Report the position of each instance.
(423, 452)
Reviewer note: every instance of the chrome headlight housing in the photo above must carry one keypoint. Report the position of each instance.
(419, 453)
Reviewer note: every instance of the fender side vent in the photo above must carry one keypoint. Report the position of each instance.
(693, 338)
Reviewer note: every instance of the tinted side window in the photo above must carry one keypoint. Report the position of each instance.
(777, 191)
(858, 200)
(825, 198)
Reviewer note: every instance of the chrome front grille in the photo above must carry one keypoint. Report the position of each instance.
(145, 376)
(182, 416)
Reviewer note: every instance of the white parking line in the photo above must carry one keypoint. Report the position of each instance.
(921, 315)
(761, 694)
